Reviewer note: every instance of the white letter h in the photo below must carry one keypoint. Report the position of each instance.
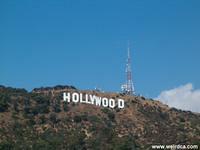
(66, 97)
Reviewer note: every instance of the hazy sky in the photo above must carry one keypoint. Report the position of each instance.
(84, 43)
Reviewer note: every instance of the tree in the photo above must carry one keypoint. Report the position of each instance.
(3, 102)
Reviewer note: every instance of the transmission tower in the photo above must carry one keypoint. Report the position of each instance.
(128, 87)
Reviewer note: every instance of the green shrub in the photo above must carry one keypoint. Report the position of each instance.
(3, 102)
(6, 145)
(77, 119)
(53, 118)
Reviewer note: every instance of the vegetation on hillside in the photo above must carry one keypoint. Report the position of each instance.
(40, 120)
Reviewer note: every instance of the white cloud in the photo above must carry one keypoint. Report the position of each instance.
(183, 97)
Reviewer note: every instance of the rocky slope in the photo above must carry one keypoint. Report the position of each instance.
(41, 120)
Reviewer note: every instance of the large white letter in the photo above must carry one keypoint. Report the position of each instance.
(120, 103)
(75, 97)
(105, 102)
(112, 103)
(98, 100)
(92, 99)
(81, 98)
(66, 97)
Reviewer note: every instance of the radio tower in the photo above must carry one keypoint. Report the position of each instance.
(128, 87)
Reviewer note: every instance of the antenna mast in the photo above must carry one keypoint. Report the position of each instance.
(128, 87)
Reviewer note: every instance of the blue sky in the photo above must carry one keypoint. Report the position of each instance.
(84, 43)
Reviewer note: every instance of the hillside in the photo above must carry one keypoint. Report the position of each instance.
(41, 120)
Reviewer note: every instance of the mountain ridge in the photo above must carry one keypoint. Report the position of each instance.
(41, 113)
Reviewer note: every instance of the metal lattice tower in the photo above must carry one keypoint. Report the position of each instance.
(128, 87)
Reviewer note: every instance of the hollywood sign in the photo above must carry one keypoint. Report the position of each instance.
(93, 100)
